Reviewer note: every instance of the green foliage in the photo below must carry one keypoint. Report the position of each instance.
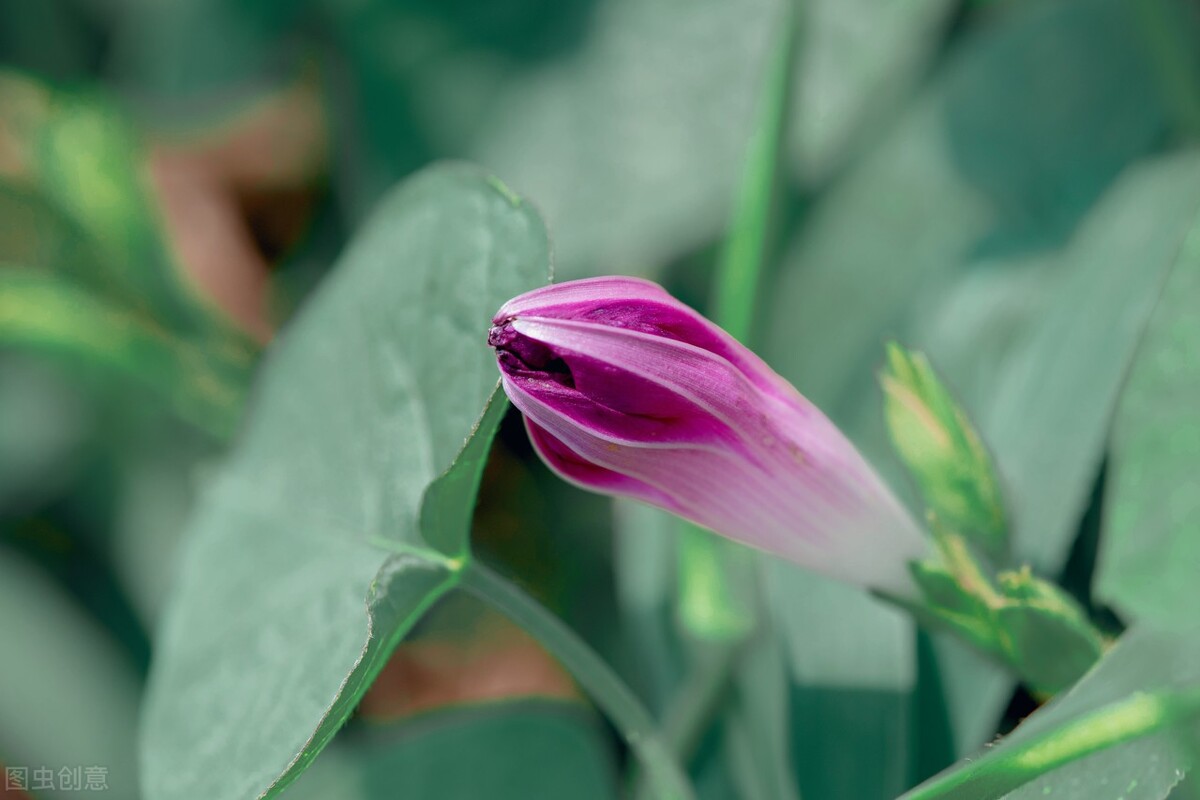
(1150, 553)
(1010, 188)
(1146, 684)
(332, 527)
(520, 749)
(537, 751)
(56, 315)
(86, 272)
(966, 236)
(1031, 624)
(53, 712)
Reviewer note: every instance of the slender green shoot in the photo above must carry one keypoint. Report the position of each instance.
(607, 690)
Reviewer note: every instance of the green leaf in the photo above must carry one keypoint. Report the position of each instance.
(978, 149)
(757, 724)
(1050, 415)
(76, 172)
(1146, 684)
(853, 76)
(625, 197)
(331, 529)
(34, 232)
(539, 91)
(1045, 633)
(68, 695)
(1050, 651)
(534, 750)
(1150, 553)
(518, 749)
(43, 312)
(853, 665)
(87, 165)
(645, 555)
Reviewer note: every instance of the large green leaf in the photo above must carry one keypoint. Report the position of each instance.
(1049, 416)
(329, 531)
(1150, 553)
(1147, 768)
(68, 695)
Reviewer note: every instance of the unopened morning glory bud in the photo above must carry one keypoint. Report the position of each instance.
(627, 391)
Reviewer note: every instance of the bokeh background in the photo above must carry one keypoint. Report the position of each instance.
(985, 180)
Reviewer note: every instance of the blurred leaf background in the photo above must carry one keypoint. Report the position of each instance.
(1007, 185)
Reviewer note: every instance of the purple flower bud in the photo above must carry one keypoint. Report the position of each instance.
(627, 391)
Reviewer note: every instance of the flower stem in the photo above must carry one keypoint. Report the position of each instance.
(607, 690)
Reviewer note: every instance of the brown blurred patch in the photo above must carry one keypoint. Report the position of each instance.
(468, 654)
(234, 197)
(24, 105)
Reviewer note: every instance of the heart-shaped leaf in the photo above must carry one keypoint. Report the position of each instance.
(342, 514)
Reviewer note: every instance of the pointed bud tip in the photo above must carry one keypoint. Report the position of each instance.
(501, 334)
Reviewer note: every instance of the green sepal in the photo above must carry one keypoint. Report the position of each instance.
(1023, 621)
(1046, 633)
(943, 591)
(943, 451)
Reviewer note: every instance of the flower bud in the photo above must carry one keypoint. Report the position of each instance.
(626, 391)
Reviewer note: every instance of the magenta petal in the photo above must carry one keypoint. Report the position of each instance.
(583, 473)
(626, 391)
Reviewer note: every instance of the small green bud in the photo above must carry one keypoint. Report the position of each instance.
(942, 450)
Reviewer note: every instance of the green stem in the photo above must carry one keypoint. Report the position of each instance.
(711, 595)
(1006, 767)
(745, 250)
(706, 686)
(693, 704)
(597, 679)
